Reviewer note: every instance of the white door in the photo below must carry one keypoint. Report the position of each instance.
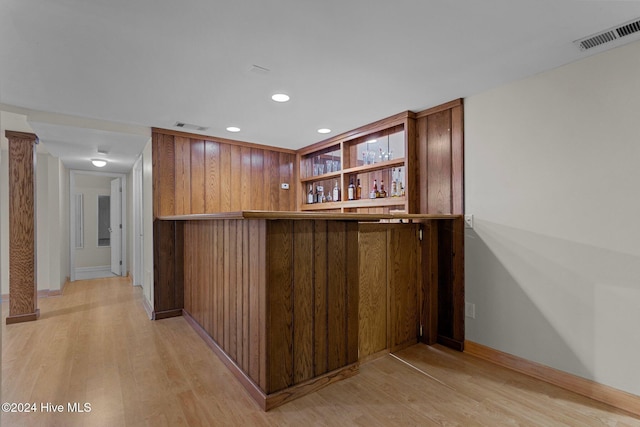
(116, 227)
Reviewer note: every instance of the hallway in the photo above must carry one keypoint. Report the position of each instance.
(95, 344)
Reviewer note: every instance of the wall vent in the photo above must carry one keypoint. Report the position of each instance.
(184, 125)
(624, 30)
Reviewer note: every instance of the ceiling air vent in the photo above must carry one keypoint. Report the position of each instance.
(184, 125)
(624, 30)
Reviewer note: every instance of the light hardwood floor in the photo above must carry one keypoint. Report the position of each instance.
(95, 344)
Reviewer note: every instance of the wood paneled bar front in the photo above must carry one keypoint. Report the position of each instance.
(292, 301)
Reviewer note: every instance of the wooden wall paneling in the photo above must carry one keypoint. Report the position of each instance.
(373, 289)
(264, 289)
(337, 288)
(271, 182)
(225, 178)
(287, 197)
(229, 287)
(458, 280)
(353, 290)
(166, 171)
(239, 285)
(214, 281)
(257, 179)
(198, 192)
(212, 176)
(429, 265)
(206, 236)
(191, 283)
(235, 186)
(280, 304)
(321, 302)
(168, 266)
(220, 284)
(303, 301)
(246, 313)
(189, 292)
(23, 289)
(254, 304)
(411, 166)
(451, 283)
(403, 285)
(183, 176)
(439, 162)
(457, 160)
(422, 187)
(156, 154)
(245, 178)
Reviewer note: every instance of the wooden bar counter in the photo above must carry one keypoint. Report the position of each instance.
(293, 301)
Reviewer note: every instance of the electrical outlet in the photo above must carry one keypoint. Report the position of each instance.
(470, 310)
(284, 186)
(468, 221)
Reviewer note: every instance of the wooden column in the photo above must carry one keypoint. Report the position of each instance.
(23, 289)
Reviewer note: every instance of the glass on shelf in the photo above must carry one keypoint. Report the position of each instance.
(329, 164)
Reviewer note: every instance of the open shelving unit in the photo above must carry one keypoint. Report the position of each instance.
(381, 151)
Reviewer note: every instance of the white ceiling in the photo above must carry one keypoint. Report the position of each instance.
(130, 65)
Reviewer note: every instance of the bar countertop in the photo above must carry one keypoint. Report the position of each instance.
(257, 214)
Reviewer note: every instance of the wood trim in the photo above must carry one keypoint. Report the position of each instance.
(199, 137)
(20, 318)
(582, 386)
(252, 388)
(279, 398)
(442, 107)
(158, 315)
(451, 343)
(268, 402)
(11, 134)
(254, 214)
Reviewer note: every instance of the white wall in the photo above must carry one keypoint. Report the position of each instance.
(147, 190)
(92, 255)
(52, 265)
(552, 168)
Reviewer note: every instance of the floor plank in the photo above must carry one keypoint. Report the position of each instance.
(95, 344)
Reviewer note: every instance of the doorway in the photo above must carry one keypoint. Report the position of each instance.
(97, 225)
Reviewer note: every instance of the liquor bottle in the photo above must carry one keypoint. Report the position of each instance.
(383, 193)
(336, 192)
(310, 197)
(351, 191)
(359, 190)
(400, 185)
(374, 191)
(394, 183)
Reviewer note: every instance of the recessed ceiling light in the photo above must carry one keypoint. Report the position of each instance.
(280, 97)
(324, 130)
(371, 141)
(99, 163)
(233, 129)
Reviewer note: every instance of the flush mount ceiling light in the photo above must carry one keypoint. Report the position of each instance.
(324, 130)
(99, 163)
(233, 129)
(280, 97)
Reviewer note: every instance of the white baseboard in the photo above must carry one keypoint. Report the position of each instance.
(98, 272)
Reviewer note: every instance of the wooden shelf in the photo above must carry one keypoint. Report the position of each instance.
(371, 203)
(376, 166)
(322, 177)
(361, 203)
(321, 206)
